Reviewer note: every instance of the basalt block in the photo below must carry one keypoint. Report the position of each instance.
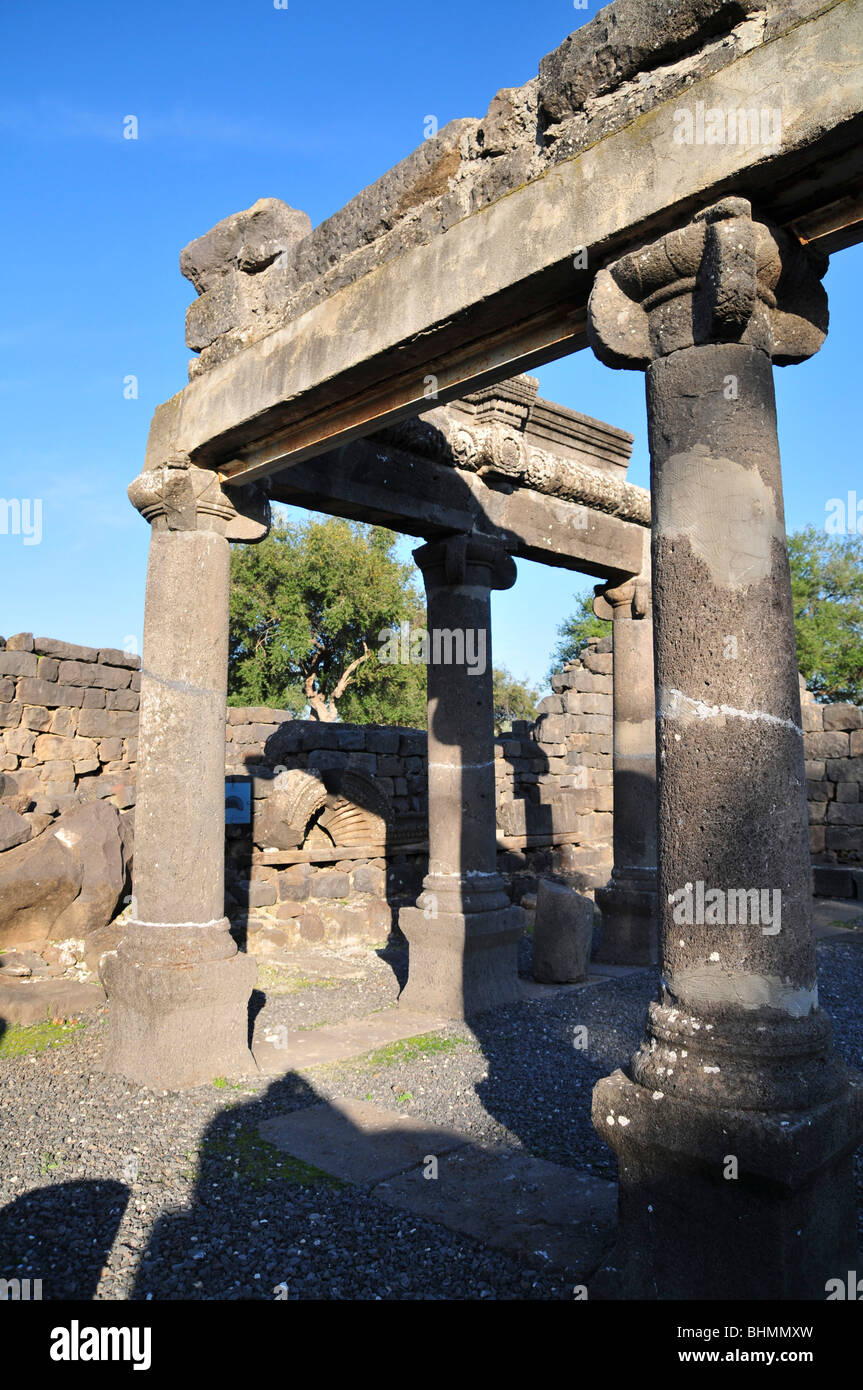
(562, 934)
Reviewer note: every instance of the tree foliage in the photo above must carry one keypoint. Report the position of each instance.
(574, 633)
(307, 606)
(513, 699)
(827, 587)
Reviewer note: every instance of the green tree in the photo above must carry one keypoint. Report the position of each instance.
(307, 606)
(827, 586)
(513, 699)
(576, 630)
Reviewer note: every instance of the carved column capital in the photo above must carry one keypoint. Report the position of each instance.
(464, 559)
(180, 496)
(723, 278)
(631, 599)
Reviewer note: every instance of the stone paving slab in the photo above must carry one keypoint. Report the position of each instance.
(837, 918)
(358, 1142)
(599, 975)
(32, 1001)
(512, 1201)
(504, 1198)
(337, 1042)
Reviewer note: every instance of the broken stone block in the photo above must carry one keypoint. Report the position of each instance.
(19, 741)
(105, 723)
(10, 715)
(15, 663)
(846, 717)
(33, 1001)
(331, 884)
(828, 745)
(14, 829)
(66, 881)
(112, 656)
(562, 935)
(35, 717)
(64, 651)
(32, 691)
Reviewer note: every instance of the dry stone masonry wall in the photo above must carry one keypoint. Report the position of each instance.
(68, 738)
(68, 728)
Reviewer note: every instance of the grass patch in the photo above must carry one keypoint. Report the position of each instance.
(20, 1040)
(274, 978)
(251, 1160)
(412, 1049)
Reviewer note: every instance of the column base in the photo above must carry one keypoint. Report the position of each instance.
(173, 1026)
(689, 1229)
(461, 963)
(629, 920)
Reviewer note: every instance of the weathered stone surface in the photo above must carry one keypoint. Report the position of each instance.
(172, 1027)
(844, 717)
(562, 934)
(331, 884)
(10, 715)
(35, 691)
(511, 1201)
(55, 748)
(93, 674)
(66, 881)
(105, 723)
(626, 38)
(17, 663)
(368, 879)
(827, 745)
(112, 656)
(20, 642)
(64, 651)
(14, 830)
(35, 1001)
(38, 881)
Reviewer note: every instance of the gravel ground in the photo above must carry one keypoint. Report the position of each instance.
(112, 1191)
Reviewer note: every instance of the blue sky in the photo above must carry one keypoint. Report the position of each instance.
(237, 100)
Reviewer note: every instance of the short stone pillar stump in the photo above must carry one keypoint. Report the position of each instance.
(562, 935)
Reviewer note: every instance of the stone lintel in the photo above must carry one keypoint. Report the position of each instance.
(408, 492)
(506, 270)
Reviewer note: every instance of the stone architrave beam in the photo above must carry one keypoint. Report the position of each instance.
(499, 289)
(545, 482)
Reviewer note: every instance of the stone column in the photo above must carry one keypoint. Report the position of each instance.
(463, 933)
(735, 1122)
(628, 901)
(177, 987)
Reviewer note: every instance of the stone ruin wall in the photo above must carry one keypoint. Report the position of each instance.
(68, 731)
(68, 726)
